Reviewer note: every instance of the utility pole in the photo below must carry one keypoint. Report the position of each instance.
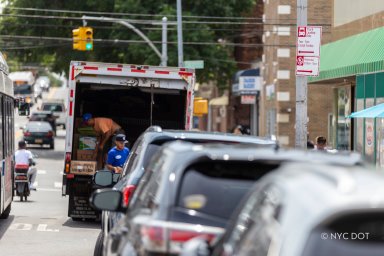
(179, 35)
(301, 126)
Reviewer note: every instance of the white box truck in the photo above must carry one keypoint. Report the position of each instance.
(135, 97)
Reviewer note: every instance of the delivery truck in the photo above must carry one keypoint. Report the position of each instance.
(135, 97)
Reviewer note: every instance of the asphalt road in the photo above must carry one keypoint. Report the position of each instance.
(40, 226)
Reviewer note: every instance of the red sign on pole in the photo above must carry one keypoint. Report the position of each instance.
(308, 50)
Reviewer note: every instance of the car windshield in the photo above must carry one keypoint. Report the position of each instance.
(221, 186)
(354, 234)
(38, 126)
(52, 107)
(22, 89)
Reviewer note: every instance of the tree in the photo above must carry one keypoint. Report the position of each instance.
(198, 27)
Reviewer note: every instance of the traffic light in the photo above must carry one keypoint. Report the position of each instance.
(83, 39)
(88, 32)
(200, 106)
(78, 40)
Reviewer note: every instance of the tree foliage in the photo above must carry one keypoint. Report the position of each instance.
(218, 58)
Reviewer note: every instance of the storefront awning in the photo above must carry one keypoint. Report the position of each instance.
(358, 54)
(372, 112)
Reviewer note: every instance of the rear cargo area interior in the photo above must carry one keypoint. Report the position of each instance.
(130, 107)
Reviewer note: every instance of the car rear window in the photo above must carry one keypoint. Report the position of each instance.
(38, 126)
(221, 185)
(352, 234)
(53, 107)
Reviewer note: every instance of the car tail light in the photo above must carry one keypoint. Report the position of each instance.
(27, 134)
(50, 134)
(168, 237)
(127, 193)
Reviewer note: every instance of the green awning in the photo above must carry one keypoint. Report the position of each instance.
(358, 54)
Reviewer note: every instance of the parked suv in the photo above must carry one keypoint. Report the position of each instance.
(58, 109)
(306, 210)
(144, 148)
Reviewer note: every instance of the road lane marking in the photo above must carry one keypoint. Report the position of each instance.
(21, 226)
(58, 184)
(43, 227)
(49, 189)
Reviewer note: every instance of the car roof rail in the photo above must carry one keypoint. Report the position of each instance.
(154, 128)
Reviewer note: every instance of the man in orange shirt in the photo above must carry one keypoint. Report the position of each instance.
(105, 128)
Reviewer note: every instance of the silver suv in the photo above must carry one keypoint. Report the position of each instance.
(58, 109)
(307, 209)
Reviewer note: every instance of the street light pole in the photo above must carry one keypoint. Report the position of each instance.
(163, 56)
(164, 50)
(180, 35)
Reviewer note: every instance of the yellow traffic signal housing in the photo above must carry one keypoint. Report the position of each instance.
(200, 107)
(88, 34)
(78, 42)
(83, 39)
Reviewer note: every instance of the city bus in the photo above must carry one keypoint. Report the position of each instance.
(7, 139)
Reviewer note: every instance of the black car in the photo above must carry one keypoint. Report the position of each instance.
(45, 116)
(142, 151)
(188, 190)
(40, 133)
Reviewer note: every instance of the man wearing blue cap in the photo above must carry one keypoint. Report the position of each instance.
(118, 155)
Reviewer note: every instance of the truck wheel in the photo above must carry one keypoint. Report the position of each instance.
(99, 244)
(6, 213)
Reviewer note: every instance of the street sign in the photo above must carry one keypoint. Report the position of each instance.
(308, 50)
(307, 66)
(250, 83)
(308, 41)
(248, 99)
(196, 64)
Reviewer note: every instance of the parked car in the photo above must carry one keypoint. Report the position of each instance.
(309, 210)
(40, 133)
(142, 151)
(57, 107)
(46, 116)
(44, 83)
(197, 187)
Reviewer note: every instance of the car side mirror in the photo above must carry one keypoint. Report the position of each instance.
(103, 178)
(196, 247)
(106, 200)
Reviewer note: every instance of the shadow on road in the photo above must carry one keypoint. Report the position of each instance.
(82, 224)
(46, 153)
(4, 225)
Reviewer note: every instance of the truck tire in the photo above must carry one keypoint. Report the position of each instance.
(6, 213)
(99, 244)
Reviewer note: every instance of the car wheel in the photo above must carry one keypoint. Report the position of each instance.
(52, 145)
(99, 244)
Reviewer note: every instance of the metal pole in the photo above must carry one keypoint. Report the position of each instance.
(209, 118)
(128, 25)
(164, 54)
(180, 35)
(301, 87)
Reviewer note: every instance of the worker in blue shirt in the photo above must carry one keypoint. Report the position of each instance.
(118, 154)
